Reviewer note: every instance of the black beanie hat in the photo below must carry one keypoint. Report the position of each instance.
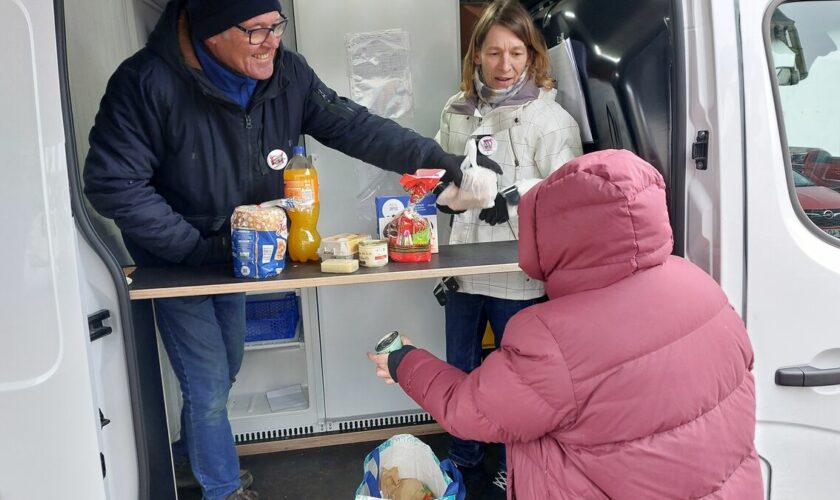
(211, 17)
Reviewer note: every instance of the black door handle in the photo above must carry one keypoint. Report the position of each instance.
(807, 376)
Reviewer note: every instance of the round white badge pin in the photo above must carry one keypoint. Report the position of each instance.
(487, 145)
(277, 159)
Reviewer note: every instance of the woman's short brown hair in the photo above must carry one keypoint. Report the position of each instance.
(511, 15)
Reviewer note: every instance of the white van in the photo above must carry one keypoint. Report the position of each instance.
(737, 102)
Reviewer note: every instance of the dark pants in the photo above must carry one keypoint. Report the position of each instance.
(466, 319)
(205, 339)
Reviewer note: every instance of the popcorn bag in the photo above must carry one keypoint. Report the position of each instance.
(258, 235)
(408, 234)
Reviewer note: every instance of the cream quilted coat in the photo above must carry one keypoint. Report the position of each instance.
(535, 136)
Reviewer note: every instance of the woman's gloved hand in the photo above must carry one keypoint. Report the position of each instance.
(452, 164)
(497, 214)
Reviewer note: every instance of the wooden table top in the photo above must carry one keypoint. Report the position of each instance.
(453, 260)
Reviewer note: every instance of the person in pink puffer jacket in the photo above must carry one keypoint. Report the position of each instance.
(632, 382)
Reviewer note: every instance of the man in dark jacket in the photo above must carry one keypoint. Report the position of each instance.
(201, 120)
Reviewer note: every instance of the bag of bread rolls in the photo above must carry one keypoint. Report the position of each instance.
(258, 237)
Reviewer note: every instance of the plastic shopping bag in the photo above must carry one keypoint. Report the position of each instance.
(416, 460)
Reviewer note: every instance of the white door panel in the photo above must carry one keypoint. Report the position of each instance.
(109, 376)
(714, 196)
(48, 422)
(793, 279)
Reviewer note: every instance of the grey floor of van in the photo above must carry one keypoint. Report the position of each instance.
(335, 472)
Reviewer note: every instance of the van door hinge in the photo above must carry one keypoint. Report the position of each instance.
(700, 150)
(95, 326)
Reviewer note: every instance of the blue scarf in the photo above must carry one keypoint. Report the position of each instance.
(238, 87)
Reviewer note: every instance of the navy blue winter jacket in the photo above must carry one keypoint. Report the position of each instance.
(171, 156)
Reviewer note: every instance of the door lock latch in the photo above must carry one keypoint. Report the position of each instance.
(95, 326)
(700, 150)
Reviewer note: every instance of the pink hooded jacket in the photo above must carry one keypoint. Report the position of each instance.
(633, 381)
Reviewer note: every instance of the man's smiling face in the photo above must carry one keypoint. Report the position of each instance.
(231, 47)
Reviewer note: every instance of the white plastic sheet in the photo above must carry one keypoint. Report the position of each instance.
(569, 89)
(380, 79)
(379, 73)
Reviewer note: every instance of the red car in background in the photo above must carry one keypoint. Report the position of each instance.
(821, 204)
(818, 165)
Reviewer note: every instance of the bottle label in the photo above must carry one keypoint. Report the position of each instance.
(304, 191)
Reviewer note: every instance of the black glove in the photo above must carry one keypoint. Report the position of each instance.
(496, 214)
(446, 210)
(452, 164)
(212, 250)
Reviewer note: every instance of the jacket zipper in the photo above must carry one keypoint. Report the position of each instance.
(515, 177)
(249, 158)
(515, 158)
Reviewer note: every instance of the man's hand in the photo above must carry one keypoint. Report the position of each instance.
(446, 210)
(212, 250)
(452, 164)
(439, 189)
(497, 214)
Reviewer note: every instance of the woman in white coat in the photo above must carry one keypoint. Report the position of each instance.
(507, 109)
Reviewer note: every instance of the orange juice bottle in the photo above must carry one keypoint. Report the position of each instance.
(301, 184)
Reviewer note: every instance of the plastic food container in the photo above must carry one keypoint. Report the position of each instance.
(373, 253)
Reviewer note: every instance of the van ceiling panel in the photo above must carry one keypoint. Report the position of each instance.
(624, 52)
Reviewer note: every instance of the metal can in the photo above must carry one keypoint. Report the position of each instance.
(373, 253)
(389, 343)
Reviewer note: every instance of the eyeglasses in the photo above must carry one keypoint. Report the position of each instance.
(256, 36)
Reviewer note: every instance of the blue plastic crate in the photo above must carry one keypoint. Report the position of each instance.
(274, 319)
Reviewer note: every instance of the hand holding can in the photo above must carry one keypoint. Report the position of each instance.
(389, 343)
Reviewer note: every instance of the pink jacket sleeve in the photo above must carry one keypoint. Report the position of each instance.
(520, 393)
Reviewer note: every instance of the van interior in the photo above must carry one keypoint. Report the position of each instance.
(629, 73)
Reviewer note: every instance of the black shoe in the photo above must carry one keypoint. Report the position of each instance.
(241, 494)
(475, 480)
(185, 479)
(501, 480)
(497, 489)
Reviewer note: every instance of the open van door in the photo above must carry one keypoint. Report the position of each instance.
(791, 65)
(48, 419)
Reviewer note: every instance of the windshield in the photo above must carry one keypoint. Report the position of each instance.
(800, 180)
(811, 106)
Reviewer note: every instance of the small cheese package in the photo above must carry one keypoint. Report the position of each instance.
(259, 234)
(409, 233)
